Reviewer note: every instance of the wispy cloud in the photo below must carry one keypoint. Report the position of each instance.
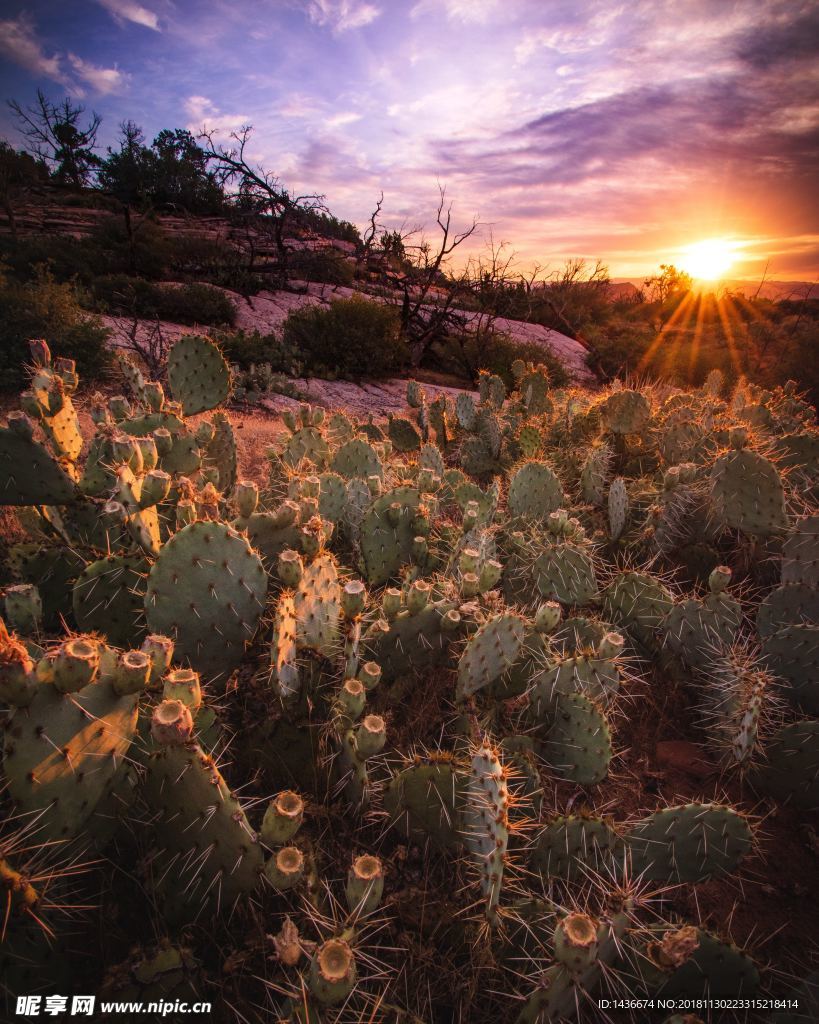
(475, 11)
(101, 80)
(204, 114)
(20, 44)
(129, 10)
(342, 118)
(342, 15)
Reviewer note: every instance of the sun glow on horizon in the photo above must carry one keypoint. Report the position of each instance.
(709, 260)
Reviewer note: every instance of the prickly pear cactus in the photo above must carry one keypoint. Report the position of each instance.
(198, 374)
(207, 591)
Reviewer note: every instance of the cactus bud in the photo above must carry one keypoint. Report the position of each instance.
(183, 684)
(374, 484)
(332, 972)
(418, 596)
(156, 486)
(547, 617)
(185, 513)
(391, 603)
(490, 574)
(469, 560)
(451, 621)
(204, 433)
(352, 698)
(371, 736)
(75, 664)
(171, 723)
(21, 425)
(470, 585)
(370, 674)
(40, 352)
(119, 407)
(285, 868)
(575, 940)
(719, 579)
(290, 567)
(132, 672)
(611, 646)
(163, 441)
(247, 498)
(365, 884)
(160, 650)
(353, 598)
(17, 680)
(283, 818)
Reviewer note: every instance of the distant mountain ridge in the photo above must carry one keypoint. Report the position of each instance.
(627, 287)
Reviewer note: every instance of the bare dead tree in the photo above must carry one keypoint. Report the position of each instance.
(259, 195)
(54, 134)
(424, 294)
(147, 341)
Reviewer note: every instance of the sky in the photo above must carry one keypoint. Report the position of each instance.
(625, 132)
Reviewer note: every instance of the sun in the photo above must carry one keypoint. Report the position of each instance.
(708, 260)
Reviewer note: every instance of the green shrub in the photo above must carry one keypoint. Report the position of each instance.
(351, 338)
(248, 348)
(45, 308)
(326, 266)
(466, 353)
(191, 303)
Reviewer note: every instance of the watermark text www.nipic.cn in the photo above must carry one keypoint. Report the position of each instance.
(86, 1006)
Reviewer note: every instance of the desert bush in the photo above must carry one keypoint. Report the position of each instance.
(465, 353)
(249, 348)
(191, 303)
(45, 308)
(326, 266)
(351, 338)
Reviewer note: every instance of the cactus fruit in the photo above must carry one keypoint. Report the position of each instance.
(365, 884)
(206, 590)
(333, 972)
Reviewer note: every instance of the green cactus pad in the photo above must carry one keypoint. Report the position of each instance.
(791, 771)
(62, 753)
(333, 497)
(198, 375)
(565, 573)
(688, 843)
(638, 603)
(790, 604)
(800, 553)
(387, 545)
(715, 970)
(30, 474)
(207, 590)
(357, 458)
(573, 847)
(625, 412)
(184, 458)
(424, 801)
(220, 454)
(54, 571)
(578, 744)
(490, 652)
(792, 654)
(404, 435)
(317, 607)
(199, 818)
(108, 598)
(534, 491)
(747, 493)
(697, 630)
(486, 824)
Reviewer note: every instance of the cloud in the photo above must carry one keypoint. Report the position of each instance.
(342, 15)
(474, 11)
(340, 119)
(101, 80)
(129, 10)
(19, 43)
(204, 113)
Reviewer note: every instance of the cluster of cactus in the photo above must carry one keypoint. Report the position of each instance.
(407, 654)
